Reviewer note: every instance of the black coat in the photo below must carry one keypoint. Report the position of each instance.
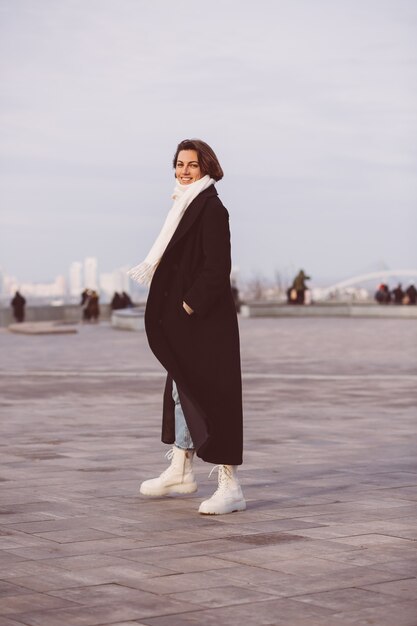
(199, 351)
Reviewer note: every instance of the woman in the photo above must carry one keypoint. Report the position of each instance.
(191, 325)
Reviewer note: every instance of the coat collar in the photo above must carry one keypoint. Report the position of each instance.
(190, 215)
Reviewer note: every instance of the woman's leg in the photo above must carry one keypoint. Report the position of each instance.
(182, 434)
(179, 476)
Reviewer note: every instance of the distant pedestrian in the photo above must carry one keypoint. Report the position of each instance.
(85, 296)
(398, 294)
(90, 304)
(93, 308)
(18, 306)
(411, 294)
(117, 302)
(126, 300)
(383, 295)
(296, 293)
(191, 325)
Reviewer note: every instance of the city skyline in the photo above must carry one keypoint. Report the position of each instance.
(80, 275)
(309, 106)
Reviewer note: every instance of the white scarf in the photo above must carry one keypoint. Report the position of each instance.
(183, 196)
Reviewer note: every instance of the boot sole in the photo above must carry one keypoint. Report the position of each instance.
(241, 506)
(182, 489)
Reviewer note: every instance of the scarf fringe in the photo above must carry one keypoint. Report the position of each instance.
(183, 196)
(142, 273)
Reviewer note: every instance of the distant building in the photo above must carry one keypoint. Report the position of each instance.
(121, 279)
(90, 273)
(107, 285)
(10, 285)
(76, 279)
(56, 289)
(118, 280)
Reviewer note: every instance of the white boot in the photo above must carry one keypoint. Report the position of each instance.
(177, 478)
(228, 497)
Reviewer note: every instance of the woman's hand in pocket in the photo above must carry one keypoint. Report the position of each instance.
(187, 308)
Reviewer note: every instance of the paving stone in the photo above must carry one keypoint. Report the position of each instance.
(221, 596)
(197, 564)
(156, 554)
(330, 477)
(403, 567)
(373, 556)
(258, 577)
(400, 614)
(300, 584)
(135, 623)
(264, 613)
(6, 621)
(310, 566)
(388, 527)
(182, 582)
(273, 555)
(86, 561)
(70, 536)
(98, 594)
(403, 614)
(30, 601)
(14, 540)
(29, 568)
(9, 589)
(339, 599)
(373, 539)
(406, 588)
(62, 579)
(54, 549)
(146, 605)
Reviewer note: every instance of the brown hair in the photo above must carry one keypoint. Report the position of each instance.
(207, 160)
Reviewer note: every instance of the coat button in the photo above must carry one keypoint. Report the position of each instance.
(160, 322)
(165, 294)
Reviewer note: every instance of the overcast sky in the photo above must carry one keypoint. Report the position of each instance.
(310, 105)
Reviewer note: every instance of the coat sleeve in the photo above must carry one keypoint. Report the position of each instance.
(214, 278)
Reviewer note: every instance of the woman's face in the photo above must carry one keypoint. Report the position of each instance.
(187, 169)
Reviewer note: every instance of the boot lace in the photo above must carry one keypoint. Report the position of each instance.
(225, 475)
(168, 456)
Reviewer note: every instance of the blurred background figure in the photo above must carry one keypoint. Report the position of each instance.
(90, 304)
(117, 302)
(236, 297)
(93, 308)
(411, 295)
(18, 306)
(121, 301)
(84, 303)
(126, 300)
(398, 294)
(296, 293)
(383, 295)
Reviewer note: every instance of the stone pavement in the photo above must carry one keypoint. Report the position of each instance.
(330, 475)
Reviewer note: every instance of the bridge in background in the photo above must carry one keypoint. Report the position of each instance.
(381, 275)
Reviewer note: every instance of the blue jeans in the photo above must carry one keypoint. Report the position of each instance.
(182, 434)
